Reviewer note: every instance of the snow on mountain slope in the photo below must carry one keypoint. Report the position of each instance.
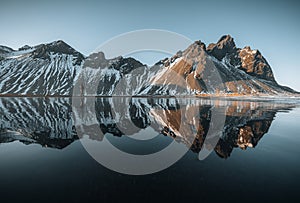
(99, 75)
(242, 71)
(47, 69)
(220, 69)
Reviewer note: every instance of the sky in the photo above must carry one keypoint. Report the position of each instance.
(269, 26)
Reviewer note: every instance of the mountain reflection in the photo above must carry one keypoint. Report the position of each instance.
(50, 121)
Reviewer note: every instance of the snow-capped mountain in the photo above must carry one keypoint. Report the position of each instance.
(46, 69)
(219, 69)
(99, 76)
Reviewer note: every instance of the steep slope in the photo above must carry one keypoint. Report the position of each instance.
(99, 76)
(46, 69)
(246, 59)
(249, 61)
(242, 71)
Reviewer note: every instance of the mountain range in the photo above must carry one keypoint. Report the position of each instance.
(219, 69)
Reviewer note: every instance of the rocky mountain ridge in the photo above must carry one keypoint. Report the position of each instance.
(46, 69)
(219, 69)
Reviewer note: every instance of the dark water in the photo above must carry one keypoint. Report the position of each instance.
(252, 150)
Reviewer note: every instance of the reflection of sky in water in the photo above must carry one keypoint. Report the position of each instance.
(286, 121)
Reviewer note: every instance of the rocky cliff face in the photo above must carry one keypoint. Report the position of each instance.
(246, 59)
(219, 69)
(223, 69)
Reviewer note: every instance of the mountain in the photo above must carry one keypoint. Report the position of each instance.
(219, 69)
(46, 69)
(99, 75)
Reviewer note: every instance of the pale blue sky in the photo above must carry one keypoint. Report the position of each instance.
(270, 26)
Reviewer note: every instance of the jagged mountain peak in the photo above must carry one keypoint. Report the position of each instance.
(45, 69)
(59, 42)
(58, 46)
(226, 38)
(243, 71)
(195, 48)
(124, 64)
(253, 63)
(200, 44)
(44, 51)
(54, 68)
(251, 51)
(250, 61)
(61, 46)
(223, 47)
(25, 47)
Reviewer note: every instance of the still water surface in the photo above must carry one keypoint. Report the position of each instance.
(255, 157)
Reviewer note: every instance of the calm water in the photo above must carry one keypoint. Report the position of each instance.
(235, 150)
